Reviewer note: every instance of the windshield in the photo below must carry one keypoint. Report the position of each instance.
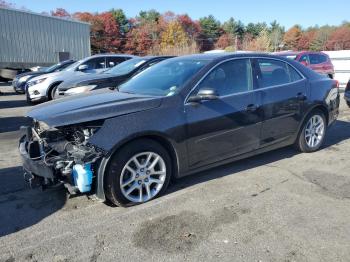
(126, 67)
(51, 68)
(165, 78)
(72, 66)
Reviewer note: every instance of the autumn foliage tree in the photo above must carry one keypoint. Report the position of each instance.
(151, 32)
(306, 39)
(60, 12)
(292, 37)
(339, 39)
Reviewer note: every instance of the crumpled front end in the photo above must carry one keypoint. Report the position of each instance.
(60, 155)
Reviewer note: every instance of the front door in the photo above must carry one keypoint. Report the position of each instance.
(228, 126)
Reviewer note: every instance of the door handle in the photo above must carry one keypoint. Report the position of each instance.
(251, 108)
(301, 96)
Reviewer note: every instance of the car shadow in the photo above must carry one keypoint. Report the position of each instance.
(25, 208)
(337, 133)
(13, 104)
(13, 123)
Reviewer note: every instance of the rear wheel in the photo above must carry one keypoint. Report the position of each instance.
(313, 132)
(139, 172)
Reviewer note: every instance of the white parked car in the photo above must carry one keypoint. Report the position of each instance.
(43, 87)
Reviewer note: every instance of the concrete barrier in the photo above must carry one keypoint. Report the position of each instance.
(341, 62)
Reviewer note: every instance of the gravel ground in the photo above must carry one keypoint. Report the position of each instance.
(279, 206)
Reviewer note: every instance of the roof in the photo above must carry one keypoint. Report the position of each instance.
(113, 55)
(226, 55)
(44, 15)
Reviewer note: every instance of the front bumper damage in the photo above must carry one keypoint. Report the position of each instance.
(60, 156)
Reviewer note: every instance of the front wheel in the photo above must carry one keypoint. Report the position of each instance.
(29, 101)
(313, 132)
(139, 172)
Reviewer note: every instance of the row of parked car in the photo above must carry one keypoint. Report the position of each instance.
(110, 70)
(70, 77)
(168, 117)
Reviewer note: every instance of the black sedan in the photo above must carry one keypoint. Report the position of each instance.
(110, 78)
(179, 117)
(20, 80)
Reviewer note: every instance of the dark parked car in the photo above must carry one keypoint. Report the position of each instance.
(110, 78)
(20, 80)
(347, 94)
(317, 61)
(176, 118)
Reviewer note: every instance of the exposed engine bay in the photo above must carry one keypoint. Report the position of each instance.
(64, 152)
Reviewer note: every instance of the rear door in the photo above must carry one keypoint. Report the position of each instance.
(319, 63)
(282, 92)
(229, 126)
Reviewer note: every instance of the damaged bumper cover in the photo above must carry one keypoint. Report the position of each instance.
(52, 156)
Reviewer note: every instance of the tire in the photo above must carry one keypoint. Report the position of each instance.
(29, 101)
(312, 133)
(136, 182)
(52, 92)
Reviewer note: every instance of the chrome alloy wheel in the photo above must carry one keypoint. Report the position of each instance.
(143, 177)
(314, 131)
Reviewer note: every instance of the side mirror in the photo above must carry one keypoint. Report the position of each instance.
(204, 94)
(82, 67)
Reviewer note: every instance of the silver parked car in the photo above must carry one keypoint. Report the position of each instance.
(42, 88)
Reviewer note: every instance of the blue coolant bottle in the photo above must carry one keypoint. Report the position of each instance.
(82, 176)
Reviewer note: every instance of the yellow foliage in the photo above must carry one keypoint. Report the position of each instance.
(174, 36)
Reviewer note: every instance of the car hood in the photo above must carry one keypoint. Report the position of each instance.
(86, 79)
(96, 105)
(61, 75)
(32, 74)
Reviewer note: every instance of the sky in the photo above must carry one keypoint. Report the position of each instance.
(288, 13)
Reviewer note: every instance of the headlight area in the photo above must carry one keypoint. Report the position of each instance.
(36, 82)
(64, 153)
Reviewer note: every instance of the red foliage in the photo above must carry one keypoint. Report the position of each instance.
(224, 41)
(105, 33)
(192, 28)
(60, 12)
(306, 39)
(339, 39)
(139, 40)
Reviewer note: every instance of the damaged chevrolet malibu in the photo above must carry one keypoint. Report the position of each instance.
(179, 117)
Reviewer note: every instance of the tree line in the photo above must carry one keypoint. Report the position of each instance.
(151, 32)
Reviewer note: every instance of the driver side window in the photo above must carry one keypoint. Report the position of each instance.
(230, 78)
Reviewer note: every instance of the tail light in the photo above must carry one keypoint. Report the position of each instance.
(336, 83)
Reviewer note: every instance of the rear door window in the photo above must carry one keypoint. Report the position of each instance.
(317, 59)
(95, 63)
(275, 72)
(113, 61)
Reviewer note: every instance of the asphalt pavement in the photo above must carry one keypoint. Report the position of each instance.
(278, 206)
